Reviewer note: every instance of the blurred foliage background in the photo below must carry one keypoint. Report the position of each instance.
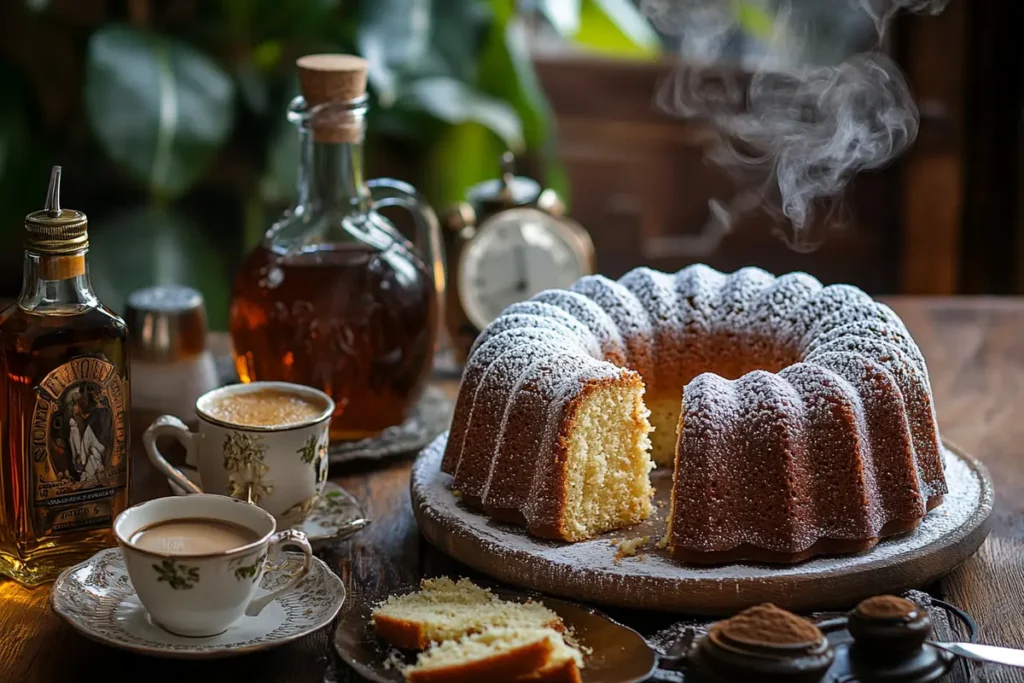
(168, 116)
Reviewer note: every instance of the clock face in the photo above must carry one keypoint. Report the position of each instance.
(514, 255)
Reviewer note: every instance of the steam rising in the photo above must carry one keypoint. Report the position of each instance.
(881, 11)
(802, 109)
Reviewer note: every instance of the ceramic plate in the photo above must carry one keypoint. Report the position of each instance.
(618, 653)
(337, 514)
(97, 599)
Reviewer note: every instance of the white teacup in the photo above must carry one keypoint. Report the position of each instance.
(279, 467)
(202, 594)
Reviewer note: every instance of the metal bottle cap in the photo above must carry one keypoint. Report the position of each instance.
(55, 230)
(166, 323)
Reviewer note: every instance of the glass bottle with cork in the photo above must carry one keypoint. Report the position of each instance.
(64, 400)
(335, 296)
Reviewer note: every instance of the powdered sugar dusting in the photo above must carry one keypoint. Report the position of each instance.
(542, 315)
(587, 570)
(593, 316)
(771, 462)
(629, 315)
(475, 369)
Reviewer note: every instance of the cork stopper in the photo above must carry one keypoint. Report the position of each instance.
(333, 78)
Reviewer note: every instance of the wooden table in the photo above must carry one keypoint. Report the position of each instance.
(975, 352)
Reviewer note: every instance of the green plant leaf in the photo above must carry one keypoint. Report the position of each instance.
(459, 28)
(476, 152)
(163, 248)
(455, 102)
(392, 35)
(506, 72)
(564, 15)
(159, 108)
(753, 19)
(408, 124)
(616, 27)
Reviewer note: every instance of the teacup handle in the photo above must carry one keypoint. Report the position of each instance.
(170, 426)
(288, 537)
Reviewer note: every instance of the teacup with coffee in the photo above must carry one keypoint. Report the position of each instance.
(264, 443)
(196, 562)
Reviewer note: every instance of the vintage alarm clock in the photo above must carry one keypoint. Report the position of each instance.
(508, 241)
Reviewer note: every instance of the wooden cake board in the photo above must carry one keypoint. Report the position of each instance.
(590, 571)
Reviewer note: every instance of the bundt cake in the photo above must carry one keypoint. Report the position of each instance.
(798, 418)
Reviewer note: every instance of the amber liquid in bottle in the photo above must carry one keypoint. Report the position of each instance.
(63, 421)
(349, 319)
(335, 297)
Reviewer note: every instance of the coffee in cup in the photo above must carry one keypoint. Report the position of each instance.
(196, 561)
(264, 443)
(192, 536)
(267, 407)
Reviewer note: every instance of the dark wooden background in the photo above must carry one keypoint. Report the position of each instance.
(944, 219)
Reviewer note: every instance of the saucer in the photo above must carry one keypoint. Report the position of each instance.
(337, 514)
(97, 599)
(429, 417)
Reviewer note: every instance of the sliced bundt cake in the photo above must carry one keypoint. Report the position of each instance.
(798, 418)
(445, 610)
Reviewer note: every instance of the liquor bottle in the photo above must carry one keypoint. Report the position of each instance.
(63, 405)
(334, 296)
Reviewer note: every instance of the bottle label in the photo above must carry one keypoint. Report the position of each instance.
(79, 446)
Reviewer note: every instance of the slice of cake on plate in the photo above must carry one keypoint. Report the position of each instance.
(499, 655)
(445, 610)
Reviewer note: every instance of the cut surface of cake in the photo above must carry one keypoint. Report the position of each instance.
(444, 609)
(499, 655)
(797, 418)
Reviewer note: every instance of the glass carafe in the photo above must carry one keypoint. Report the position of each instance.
(335, 296)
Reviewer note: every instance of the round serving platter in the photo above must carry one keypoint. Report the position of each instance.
(595, 571)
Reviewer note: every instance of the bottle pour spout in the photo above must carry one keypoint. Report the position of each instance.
(52, 206)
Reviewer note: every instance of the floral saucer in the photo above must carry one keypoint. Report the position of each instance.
(97, 599)
(337, 514)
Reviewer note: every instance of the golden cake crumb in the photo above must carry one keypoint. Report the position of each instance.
(628, 547)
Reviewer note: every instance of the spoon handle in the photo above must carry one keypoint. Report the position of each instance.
(985, 653)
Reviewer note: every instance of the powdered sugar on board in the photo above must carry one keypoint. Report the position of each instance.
(589, 570)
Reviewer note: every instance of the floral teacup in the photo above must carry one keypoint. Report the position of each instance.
(281, 468)
(203, 593)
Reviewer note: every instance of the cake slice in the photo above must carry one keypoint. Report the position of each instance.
(499, 655)
(445, 610)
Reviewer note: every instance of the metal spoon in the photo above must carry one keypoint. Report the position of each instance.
(984, 653)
